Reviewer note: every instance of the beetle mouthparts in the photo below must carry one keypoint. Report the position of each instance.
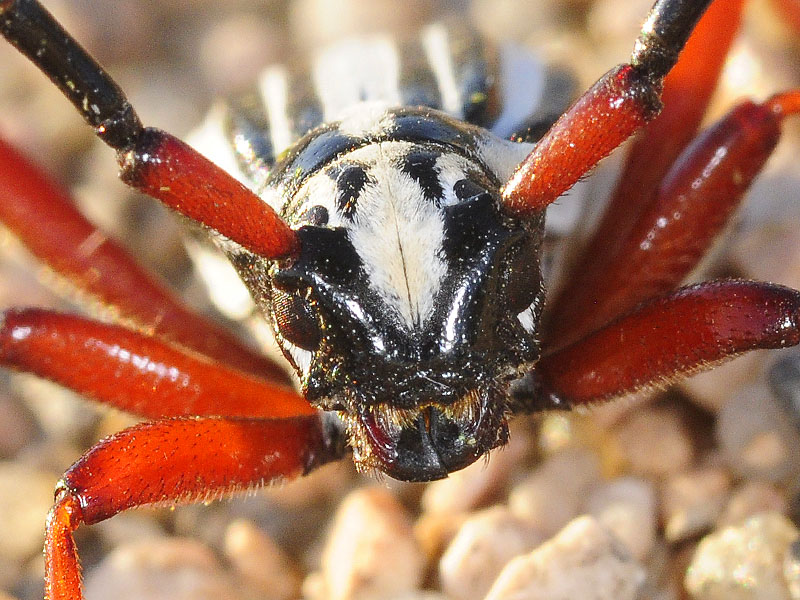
(428, 442)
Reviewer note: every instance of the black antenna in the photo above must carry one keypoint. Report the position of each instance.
(98, 98)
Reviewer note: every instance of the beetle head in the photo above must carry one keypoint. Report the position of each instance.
(412, 305)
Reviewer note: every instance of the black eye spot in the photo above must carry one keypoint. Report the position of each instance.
(464, 189)
(295, 319)
(420, 165)
(523, 282)
(349, 182)
(316, 215)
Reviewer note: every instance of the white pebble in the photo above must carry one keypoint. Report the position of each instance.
(756, 437)
(160, 569)
(751, 498)
(481, 548)
(260, 562)
(654, 441)
(583, 561)
(26, 495)
(552, 495)
(745, 562)
(693, 501)
(371, 552)
(626, 507)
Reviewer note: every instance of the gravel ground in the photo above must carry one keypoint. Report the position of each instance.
(688, 493)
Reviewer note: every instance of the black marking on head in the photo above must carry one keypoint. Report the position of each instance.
(413, 125)
(328, 142)
(327, 254)
(471, 225)
(465, 189)
(420, 165)
(317, 215)
(350, 180)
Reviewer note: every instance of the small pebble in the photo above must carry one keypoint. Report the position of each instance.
(757, 438)
(692, 501)
(62, 414)
(791, 569)
(260, 562)
(655, 442)
(626, 507)
(481, 548)
(750, 498)
(165, 569)
(129, 527)
(784, 381)
(26, 495)
(370, 552)
(17, 425)
(744, 562)
(551, 496)
(434, 531)
(583, 561)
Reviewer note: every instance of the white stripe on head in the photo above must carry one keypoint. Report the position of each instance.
(398, 235)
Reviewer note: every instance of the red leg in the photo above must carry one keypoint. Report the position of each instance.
(687, 90)
(679, 223)
(135, 373)
(618, 105)
(687, 331)
(44, 217)
(149, 158)
(175, 461)
(790, 10)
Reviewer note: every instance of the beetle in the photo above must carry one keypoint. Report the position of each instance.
(416, 349)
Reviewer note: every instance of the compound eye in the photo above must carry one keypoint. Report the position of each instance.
(523, 289)
(523, 283)
(465, 189)
(296, 319)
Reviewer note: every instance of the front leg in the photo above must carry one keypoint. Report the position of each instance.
(142, 375)
(677, 224)
(617, 106)
(175, 461)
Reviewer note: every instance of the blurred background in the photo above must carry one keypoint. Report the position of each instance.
(664, 473)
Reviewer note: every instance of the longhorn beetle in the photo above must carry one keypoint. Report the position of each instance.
(392, 241)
